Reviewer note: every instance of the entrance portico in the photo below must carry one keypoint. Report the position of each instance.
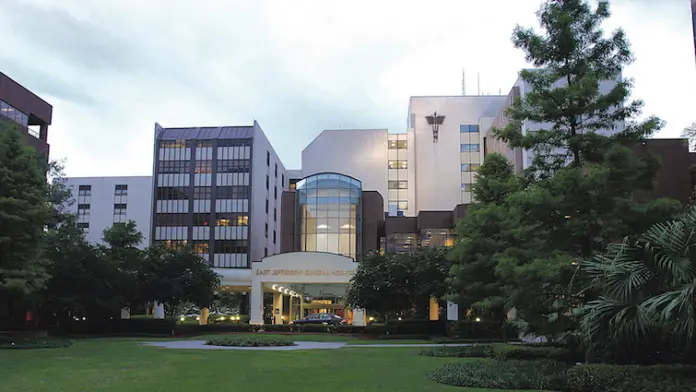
(284, 271)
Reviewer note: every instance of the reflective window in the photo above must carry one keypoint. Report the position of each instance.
(398, 144)
(398, 184)
(470, 167)
(466, 187)
(329, 208)
(401, 243)
(469, 148)
(468, 128)
(433, 238)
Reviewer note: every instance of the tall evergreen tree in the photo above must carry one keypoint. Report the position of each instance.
(585, 183)
(23, 214)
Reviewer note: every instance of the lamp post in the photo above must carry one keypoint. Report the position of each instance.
(435, 121)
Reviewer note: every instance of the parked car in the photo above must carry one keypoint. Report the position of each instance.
(321, 318)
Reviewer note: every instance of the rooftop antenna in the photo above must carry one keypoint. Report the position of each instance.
(478, 82)
(463, 81)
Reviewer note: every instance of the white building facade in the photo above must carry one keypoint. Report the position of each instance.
(99, 202)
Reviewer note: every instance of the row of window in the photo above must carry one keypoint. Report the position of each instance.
(14, 114)
(205, 143)
(398, 164)
(203, 192)
(203, 247)
(412, 242)
(470, 167)
(398, 145)
(219, 219)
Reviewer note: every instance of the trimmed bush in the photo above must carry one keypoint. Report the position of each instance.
(477, 351)
(544, 375)
(193, 329)
(503, 352)
(416, 327)
(27, 342)
(480, 330)
(250, 342)
(633, 378)
(278, 328)
(133, 326)
(506, 352)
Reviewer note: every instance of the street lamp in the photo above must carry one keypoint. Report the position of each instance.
(435, 121)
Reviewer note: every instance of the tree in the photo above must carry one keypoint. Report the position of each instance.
(121, 248)
(690, 133)
(580, 191)
(400, 284)
(23, 213)
(177, 276)
(646, 309)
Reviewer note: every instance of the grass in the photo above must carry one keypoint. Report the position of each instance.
(306, 337)
(124, 365)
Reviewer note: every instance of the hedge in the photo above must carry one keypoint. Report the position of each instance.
(633, 378)
(467, 329)
(505, 352)
(543, 375)
(27, 342)
(135, 326)
(250, 342)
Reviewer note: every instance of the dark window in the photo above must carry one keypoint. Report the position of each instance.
(174, 166)
(485, 146)
(231, 246)
(83, 225)
(265, 252)
(172, 143)
(231, 219)
(201, 192)
(204, 144)
(275, 214)
(85, 187)
(121, 190)
(234, 142)
(401, 243)
(274, 236)
(266, 231)
(200, 247)
(233, 166)
(232, 192)
(268, 158)
(201, 219)
(282, 180)
(171, 193)
(119, 206)
(268, 182)
(204, 167)
(83, 206)
(267, 206)
(276, 170)
(171, 219)
(275, 192)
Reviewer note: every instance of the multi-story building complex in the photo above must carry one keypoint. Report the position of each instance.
(30, 114)
(218, 189)
(99, 202)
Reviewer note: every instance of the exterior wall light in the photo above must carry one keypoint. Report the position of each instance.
(435, 121)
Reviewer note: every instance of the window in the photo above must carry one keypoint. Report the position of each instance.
(200, 247)
(204, 144)
(85, 190)
(267, 206)
(233, 166)
(398, 184)
(174, 167)
(276, 170)
(468, 128)
(231, 219)
(401, 243)
(266, 231)
(121, 190)
(268, 182)
(275, 192)
(275, 214)
(466, 188)
(398, 144)
(274, 236)
(120, 211)
(201, 219)
(234, 142)
(204, 167)
(171, 220)
(172, 193)
(282, 180)
(172, 144)
(201, 192)
(83, 207)
(398, 164)
(268, 158)
(231, 246)
(402, 205)
(83, 225)
(232, 192)
(470, 167)
(434, 238)
(469, 148)
(265, 252)
(120, 206)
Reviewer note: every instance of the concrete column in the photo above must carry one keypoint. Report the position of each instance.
(434, 309)
(256, 307)
(359, 319)
(125, 314)
(291, 316)
(205, 312)
(159, 310)
(452, 311)
(277, 308)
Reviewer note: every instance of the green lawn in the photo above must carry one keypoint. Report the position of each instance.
(307, 337)
(123, 364)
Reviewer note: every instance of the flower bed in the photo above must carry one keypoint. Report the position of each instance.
(250, 342)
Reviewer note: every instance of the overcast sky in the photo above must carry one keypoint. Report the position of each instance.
(112, 68)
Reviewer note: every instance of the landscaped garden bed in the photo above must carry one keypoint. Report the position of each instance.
(32, 341)
(250, 342)
(514, 374)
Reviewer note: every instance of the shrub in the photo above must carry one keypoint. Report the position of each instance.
(278, 328)
(618, 378)
(27, 342)
(313, 328)
(250, 342)
(545, 375)
(133, 326)
(416, 327)
(517, 351)
(375, 329)
(477, 351)
(192, 329)
(350, 329)
(480, 330)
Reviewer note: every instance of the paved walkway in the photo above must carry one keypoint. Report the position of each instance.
(200, 345)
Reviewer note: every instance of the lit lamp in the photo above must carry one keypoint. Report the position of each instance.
(435, 121)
